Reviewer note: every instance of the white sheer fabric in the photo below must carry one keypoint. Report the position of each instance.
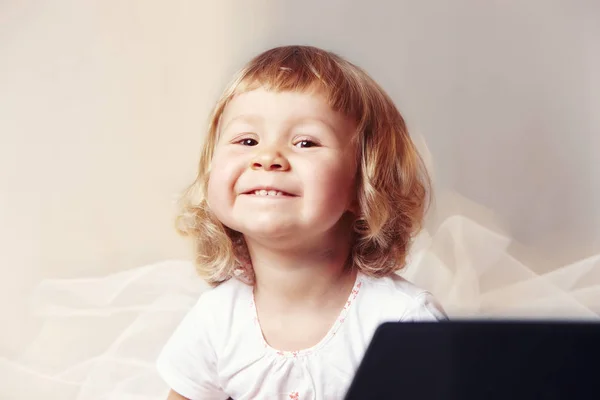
(101, 336)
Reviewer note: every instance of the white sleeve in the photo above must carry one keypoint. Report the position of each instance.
(425, 308)
(188, 363)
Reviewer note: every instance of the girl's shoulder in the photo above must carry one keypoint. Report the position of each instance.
(227, 293)
(225, 298)
(399, 299)
(392, 285)
(217, 307)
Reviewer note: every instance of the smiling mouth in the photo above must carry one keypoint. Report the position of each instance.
(268, 193)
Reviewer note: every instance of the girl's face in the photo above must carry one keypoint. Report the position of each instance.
(284, 166)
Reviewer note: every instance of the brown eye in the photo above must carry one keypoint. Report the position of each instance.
(303, 144)
(248, 142)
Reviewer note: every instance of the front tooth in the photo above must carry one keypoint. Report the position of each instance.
(273, 192)
(262, 192)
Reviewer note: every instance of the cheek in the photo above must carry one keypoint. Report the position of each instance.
(334, 187)
(223, 175)
(216, 196)
(219, 196)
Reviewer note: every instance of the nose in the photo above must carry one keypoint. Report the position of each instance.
(270, 160)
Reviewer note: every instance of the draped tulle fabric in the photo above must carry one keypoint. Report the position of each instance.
(101, 336)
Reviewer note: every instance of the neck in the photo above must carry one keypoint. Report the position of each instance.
(307, 274)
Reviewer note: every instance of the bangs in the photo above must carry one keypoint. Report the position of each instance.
(306, 69)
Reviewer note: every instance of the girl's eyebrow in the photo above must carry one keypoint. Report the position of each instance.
(247, 118)
(312, 120)
(254, 119)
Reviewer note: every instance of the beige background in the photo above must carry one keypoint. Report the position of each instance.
(103, 105)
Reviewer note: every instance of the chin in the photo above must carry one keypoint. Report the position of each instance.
(270, 233)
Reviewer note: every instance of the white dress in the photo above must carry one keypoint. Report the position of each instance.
(218, 351)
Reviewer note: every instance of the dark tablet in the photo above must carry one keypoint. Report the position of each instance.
(481, 360)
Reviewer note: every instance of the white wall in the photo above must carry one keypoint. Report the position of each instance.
(102, 106)
(505, 93)
(102, 109)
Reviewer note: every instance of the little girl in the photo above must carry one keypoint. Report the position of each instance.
(308, 194)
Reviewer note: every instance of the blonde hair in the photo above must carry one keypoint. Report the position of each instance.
(392, 182)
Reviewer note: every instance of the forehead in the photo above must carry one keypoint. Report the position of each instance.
(261, 105)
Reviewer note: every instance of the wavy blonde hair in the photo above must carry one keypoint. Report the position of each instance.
(392, 183)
